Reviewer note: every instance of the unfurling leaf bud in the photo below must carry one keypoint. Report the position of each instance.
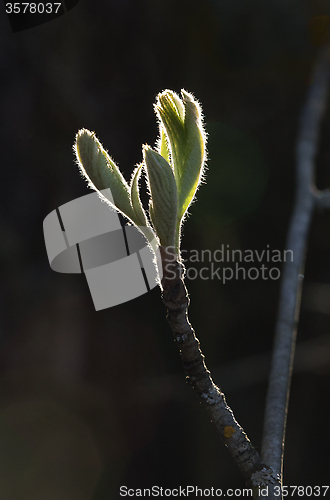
(101, 172)
(163, 190)
(186, 138)
(174, 170)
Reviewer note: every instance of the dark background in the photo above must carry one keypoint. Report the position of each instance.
(92, 400)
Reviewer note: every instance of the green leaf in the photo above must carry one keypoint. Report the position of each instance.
(170, 111)
(135, 197)
(182, 121)
(163, 146)
(101, 172)
(163, 203)
(192, 168)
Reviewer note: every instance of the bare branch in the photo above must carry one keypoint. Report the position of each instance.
(175, 298)
(305, 201)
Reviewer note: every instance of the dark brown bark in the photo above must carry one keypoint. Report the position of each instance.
(176, 300)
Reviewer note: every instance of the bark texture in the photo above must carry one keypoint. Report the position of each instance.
(176, 300)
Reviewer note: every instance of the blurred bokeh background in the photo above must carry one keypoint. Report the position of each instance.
(92, 400)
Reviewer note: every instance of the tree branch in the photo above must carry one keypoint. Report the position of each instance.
(289, 306)
(267, 470)
(175, 298)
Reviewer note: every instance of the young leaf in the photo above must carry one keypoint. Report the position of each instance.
(182, 121)
(135, 197)
(163, 203)
(170, 111)
(101, 172)
(191, 170)
(162, 146)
